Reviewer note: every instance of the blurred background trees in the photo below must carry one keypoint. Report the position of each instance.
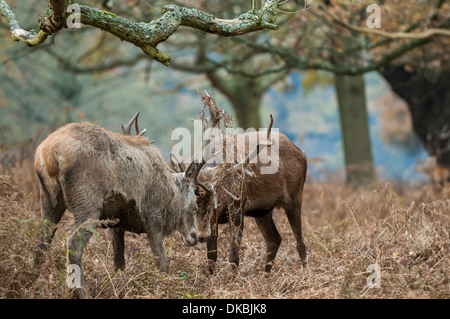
(324, 73)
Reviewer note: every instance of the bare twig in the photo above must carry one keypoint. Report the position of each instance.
(19, 34)
(391, 35)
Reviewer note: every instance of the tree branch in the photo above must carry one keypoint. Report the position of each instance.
(391, 35)
(105, 66)
(144, 35)
(55, 17)
(246, 23)
(17, 33)
(292, 59)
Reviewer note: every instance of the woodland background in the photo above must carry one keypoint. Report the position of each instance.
(371, 112)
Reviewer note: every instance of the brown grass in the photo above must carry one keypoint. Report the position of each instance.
(403, 230)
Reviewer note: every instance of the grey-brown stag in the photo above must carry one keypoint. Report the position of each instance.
(97, 175)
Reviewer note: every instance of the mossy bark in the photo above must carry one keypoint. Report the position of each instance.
(145, 35)
(351, 97)
(246, 104)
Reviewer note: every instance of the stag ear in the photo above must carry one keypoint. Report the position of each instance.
(192, 171)
(177, 164)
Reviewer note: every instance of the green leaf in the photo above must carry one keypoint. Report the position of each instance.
(183, 275)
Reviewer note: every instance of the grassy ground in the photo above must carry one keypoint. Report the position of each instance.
(404, 230)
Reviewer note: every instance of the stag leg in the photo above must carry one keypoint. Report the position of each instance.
(156, 244)
(294, 216)
(236, 238)
(52, 214)
(155, 239)
(118, 235)
(211, 246)
(272, 237)
(77, 242)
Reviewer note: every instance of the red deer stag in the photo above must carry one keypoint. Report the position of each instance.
(101, 175)
(239, 189)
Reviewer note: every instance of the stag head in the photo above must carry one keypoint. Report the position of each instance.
(215, 185)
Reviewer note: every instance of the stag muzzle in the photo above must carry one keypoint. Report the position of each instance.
(203, 234)
(190, 238)
(202, 239)
(203, 229)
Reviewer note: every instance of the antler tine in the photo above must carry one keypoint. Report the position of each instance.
(212, 122)
(270, 128)
(231, 195)
(136, 127)
(202, 185)
(126, 129)
(255, 152)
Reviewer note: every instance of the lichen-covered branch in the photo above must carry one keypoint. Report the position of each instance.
(142, 34)
(17, 33)
(55, 18)
(245, 23)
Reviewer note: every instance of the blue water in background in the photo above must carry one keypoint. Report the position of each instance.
(297, 114)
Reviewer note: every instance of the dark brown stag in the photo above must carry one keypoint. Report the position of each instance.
(249, 187)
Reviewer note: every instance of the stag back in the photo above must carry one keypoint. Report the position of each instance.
(101, 175)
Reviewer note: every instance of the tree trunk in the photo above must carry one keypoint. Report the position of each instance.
(350, 91)
(244, 94)
(428, 97)
(246, 108)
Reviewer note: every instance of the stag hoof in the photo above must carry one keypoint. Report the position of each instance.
(81, 293)
(268, 267)
(211, 266)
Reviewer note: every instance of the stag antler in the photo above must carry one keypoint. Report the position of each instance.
(215, 115)
(261, 145)
(126, 129)
(231, 195)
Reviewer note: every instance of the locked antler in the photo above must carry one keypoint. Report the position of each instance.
(261, 145)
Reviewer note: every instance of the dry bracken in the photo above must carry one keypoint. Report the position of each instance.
(405, 231)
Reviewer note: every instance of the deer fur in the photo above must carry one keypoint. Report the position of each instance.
(97, 174)
(258, 197)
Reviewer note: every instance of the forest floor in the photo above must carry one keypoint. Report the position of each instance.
(400, 230)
